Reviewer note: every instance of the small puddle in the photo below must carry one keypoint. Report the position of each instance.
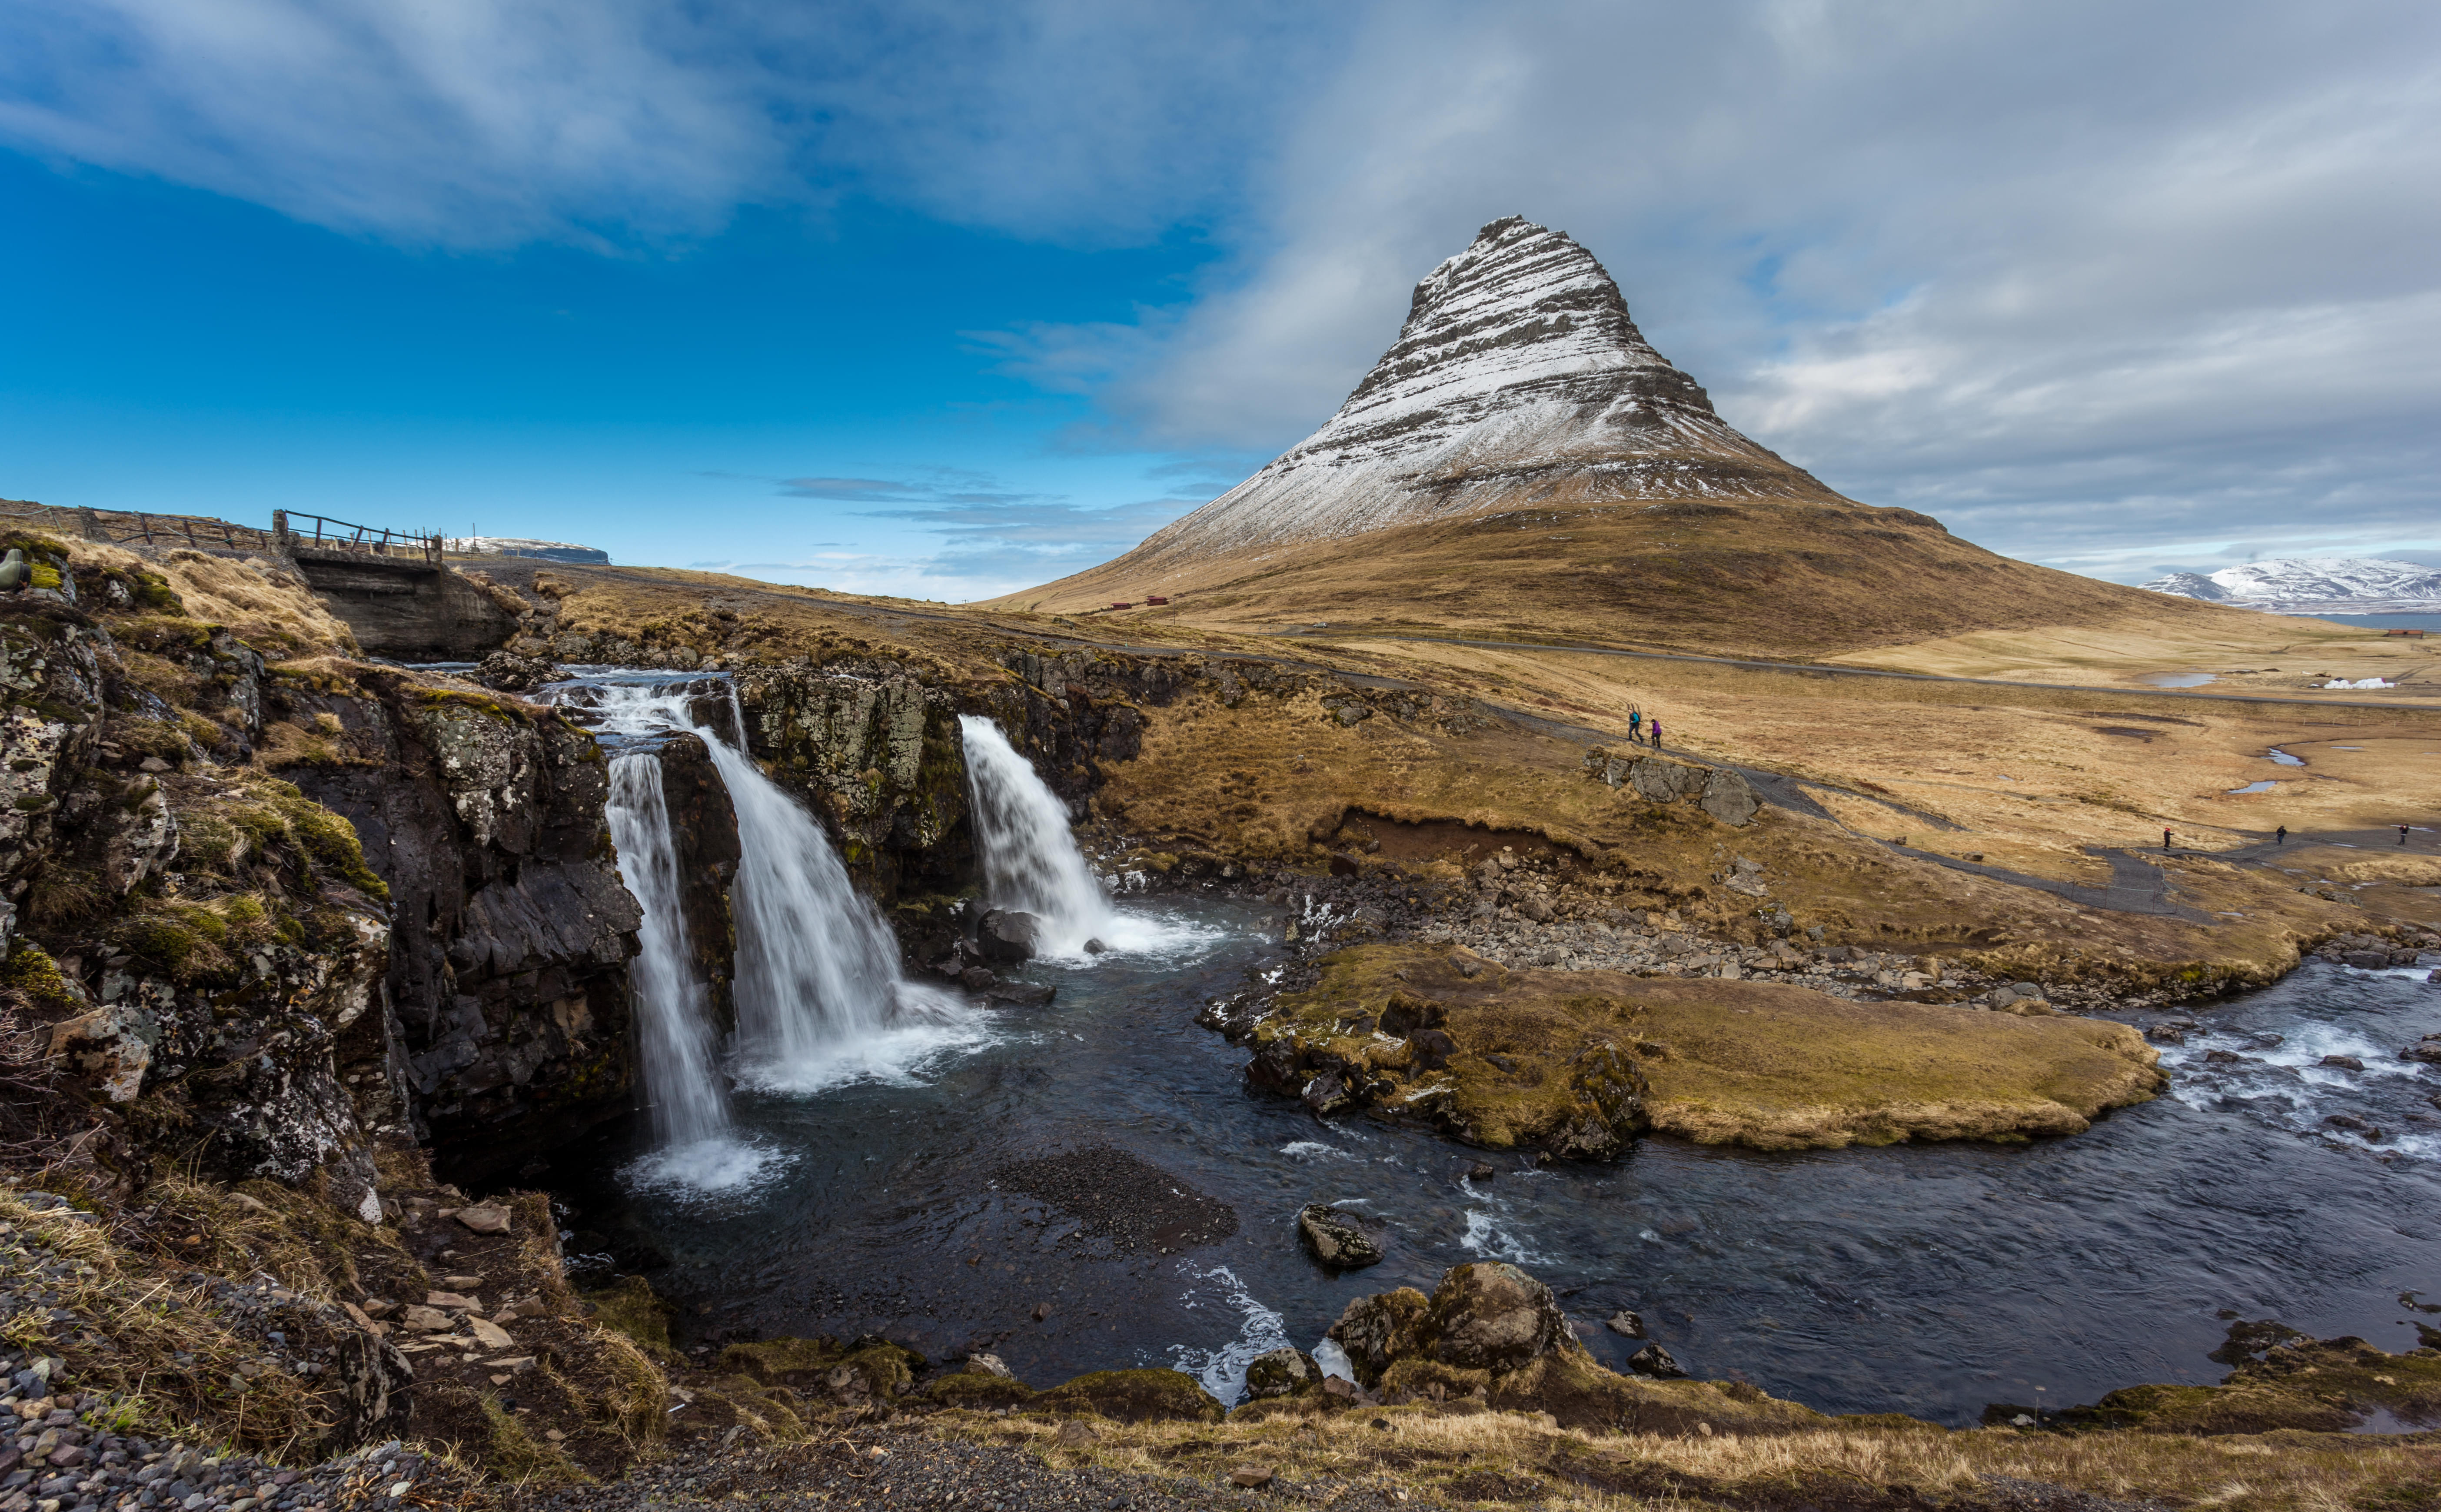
(2284, 758)
(2177, 679)
(2253, 788)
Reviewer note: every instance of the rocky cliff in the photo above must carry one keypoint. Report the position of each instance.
(508, 977)
(264, 918)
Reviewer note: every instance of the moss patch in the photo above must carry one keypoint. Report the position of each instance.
(632, 1311)
(1133, 1396)
(1761, 1064)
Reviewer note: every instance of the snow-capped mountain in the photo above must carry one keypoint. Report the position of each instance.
(2331, 584)
(1518, 370)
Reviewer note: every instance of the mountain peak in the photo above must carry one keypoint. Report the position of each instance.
(2329, 584)
(1518, 367)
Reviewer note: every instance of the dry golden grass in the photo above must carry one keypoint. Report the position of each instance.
(2242, 651)
(1764, 1065)
(1774, 577)
(1449, 1452)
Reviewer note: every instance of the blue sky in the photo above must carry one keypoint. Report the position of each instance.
(946, 299)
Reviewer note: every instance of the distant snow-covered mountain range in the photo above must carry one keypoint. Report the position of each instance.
(2314, 584)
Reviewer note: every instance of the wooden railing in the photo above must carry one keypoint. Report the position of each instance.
(316, 532)
(289, 533)
(202, 533)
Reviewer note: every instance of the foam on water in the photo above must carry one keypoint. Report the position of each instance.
(1260, 1330)
(1332, 1358)
(1031, 862)
(727, 1167)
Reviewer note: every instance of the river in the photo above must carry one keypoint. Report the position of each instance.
(1928, 1279)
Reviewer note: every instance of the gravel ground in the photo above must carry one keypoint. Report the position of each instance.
(1136, 1204)
(880, 1468)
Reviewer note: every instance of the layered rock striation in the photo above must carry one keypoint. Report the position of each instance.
(1518, 368)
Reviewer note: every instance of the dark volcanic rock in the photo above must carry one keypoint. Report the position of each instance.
(509, 999)
(703, 826)
(1008, 937)
(1655, 1361)
(1335, 1239)
(507, 672)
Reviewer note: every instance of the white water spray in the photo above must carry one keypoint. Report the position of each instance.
(1030, 860)
(683, 1087)
(695, 1147)
(820, 999)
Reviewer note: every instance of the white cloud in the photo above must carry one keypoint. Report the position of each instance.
(472, 123)
(2052, 271)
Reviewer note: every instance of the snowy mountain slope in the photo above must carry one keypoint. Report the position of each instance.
(1518, 367)
(2314, 584)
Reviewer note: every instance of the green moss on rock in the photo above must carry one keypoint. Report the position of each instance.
(1135, 1397)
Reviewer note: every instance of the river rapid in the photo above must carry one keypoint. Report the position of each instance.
(1928, 1279)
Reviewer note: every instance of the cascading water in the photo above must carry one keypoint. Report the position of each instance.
(1030, 860)
(820, 997)
(686, 1094)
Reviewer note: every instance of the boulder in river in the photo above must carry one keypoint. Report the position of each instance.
(1626, 1324)
(2343, 1062)
(1286, 1371)
(1335, 1239)
(1493, 1333)
(1493, 1316)
(1008, 937)
(1655, 1361)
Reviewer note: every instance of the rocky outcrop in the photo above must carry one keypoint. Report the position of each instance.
(1491, 1332)
(194, 941)
(508, 1031)
(703, 826)
(876, 751)
(1717, 790)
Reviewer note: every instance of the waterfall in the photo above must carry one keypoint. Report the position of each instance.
(820, 997)
(1030, 860)
(683, 1087)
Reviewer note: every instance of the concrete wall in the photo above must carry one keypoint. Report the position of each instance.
(411, 612)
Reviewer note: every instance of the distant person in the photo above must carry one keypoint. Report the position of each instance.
(2165, 842)
(1655, 728)
(1636, 724)
(2280, 836)
(2403, 835)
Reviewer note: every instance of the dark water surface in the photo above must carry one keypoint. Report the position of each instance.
(1929, 1279)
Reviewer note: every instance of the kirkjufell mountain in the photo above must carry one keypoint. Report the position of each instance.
(1518, 367)
(1522, 461)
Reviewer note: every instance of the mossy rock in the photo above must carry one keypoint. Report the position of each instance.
(1135, 1397)
(882, 1368)
(2318, 1386)
(1431, 1378)
(976, 1391)
(31, 970)
(1571, 1386)
(633, 1311)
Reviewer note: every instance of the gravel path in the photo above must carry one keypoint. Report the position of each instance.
(881, 1467)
